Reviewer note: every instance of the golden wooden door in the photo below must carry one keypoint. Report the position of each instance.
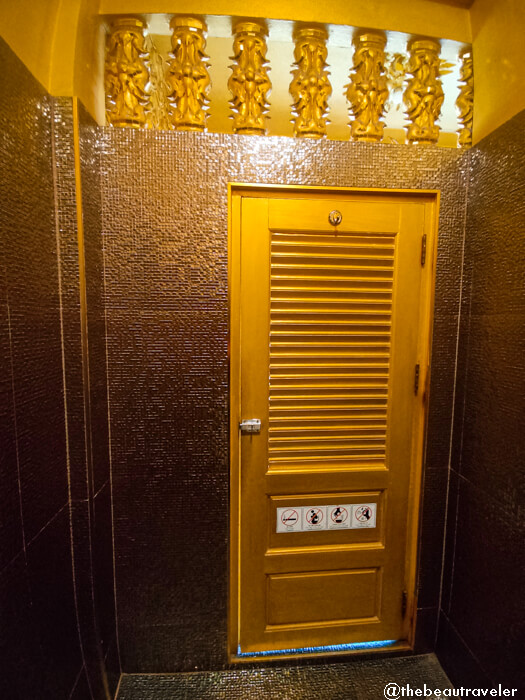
(330, 319)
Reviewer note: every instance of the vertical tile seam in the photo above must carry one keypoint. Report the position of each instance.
(100, 143)
(64, 386)
(461, 281)
(463, 408)
(88, 432)
(83, 300)
(15, 425)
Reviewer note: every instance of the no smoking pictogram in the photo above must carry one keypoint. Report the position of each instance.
(289, 517)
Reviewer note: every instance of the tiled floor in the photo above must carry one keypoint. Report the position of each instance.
(355, 680)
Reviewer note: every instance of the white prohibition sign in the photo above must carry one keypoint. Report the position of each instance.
(363, 514)
(314, 516)
(289, 517)
(339, 515)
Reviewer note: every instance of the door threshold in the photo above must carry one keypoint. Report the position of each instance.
(388, 645)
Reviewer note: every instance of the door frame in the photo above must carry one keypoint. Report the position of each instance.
(432, 199)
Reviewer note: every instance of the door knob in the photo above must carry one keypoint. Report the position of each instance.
(250, 426)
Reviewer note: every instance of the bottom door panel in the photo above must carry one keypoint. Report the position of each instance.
(308, 597)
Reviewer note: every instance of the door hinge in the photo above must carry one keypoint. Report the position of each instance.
(416, 380)
(423, 249)
(404, 603)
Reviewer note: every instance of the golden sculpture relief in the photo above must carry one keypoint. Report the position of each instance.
(249, 82)
(424, 93)
(310, 87)
(395, 71)
(368, 91)
(158, 115)
(126, 75)
(188, 74)
(465, 101)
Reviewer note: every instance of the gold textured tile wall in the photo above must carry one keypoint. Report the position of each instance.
(164, 218)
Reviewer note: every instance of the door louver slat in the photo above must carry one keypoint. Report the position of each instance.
(330, 326)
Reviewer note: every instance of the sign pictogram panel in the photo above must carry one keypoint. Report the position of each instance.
(339, 517)
(364, 515)
(289, 519)
(333, 517)
(314, 518)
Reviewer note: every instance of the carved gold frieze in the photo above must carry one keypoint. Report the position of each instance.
(368, 91)
(424, 93)
(188, 74)
(465, 101)
(310, 86)
(148, 87)
(249, 83)
(126, 75)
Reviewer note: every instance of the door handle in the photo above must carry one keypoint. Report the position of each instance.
(250, 426)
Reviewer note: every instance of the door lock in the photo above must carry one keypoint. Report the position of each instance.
(250, 426)
(335, 217)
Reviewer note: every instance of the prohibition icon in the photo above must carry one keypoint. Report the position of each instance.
(363, 514)
(314, 516)
(289, 517)
(339, 515)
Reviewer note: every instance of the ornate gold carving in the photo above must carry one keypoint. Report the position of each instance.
(249, 82)
(158, 115)
(188, 74)
(424, 93)
(465, 101)
(368, 91)
(126, 75)
(310, 87)
(395, 70)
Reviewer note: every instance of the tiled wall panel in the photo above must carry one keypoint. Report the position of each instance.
(48, 628)
(482, 624)
(101, 517)
(86, 384)
(164, 204)
(39, 644)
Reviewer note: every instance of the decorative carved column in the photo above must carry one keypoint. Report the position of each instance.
(465, 101)
(368, 91)
(188, 74)
(249, 82)
(310, 87)
(126, 75)
(424, 93)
